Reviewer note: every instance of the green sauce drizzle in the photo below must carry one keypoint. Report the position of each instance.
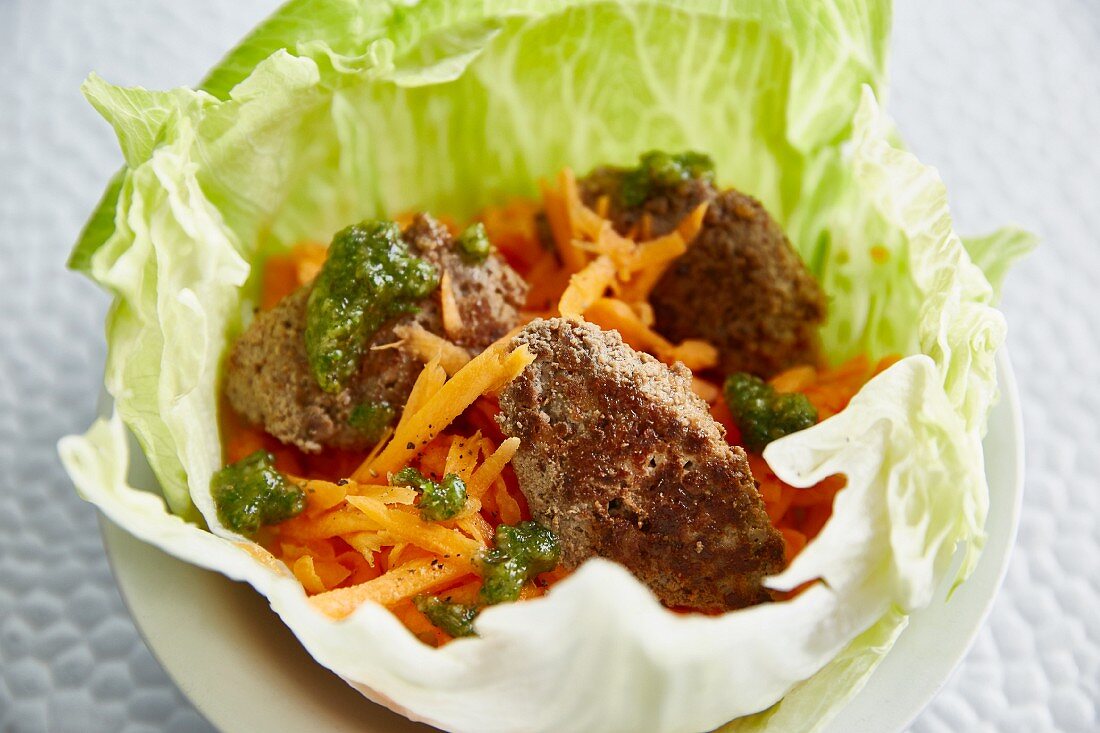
(764, 415)
(457, 619)
(474, 243)
(657, 170)
(519, 553)
(368, 278)
(372, 418)
(438, 501)
(250, 494)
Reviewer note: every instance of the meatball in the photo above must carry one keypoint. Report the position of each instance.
(665, 205)
(269, 381)
(741, 285)
(622, 460)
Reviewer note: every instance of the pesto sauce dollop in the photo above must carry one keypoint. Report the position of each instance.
(657, 170)
(762, 414)
(251, 493)
(457, 619)
(438, 500)
(473, 243)
(372, 418)
(368, 278)
(519, 553)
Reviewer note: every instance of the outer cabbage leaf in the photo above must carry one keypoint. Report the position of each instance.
(335, 111)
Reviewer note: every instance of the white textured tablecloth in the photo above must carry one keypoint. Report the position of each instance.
(1002, 95)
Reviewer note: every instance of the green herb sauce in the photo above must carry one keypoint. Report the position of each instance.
(657, 170)
(372, 418)
(762, 414)
(474, 243)
(519, 553)
(457, 619)
(250, 494)
(438, 501)
(368, 278)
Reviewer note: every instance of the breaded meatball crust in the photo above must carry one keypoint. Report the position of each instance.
(622, 460)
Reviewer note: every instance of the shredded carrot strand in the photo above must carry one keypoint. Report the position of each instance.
(427, 346)
(486, 372)
(491, 468)
(586, 287)
(613, 314)
(452, 316)
(561, 227)
(399, 584)
(582, 220)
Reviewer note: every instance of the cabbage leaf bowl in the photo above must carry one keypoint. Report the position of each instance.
(332, 111)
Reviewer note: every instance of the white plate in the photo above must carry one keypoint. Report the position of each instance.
(245, 671)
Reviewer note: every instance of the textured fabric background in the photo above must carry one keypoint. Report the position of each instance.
(1002, 95)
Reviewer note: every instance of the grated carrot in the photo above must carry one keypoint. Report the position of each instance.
(335, 523)
(546, 282)
(319, 549)
(488, 371)
(383, 493)
(427, 346)
(645, 313)
(452, 316)
(583, 221)
(280, 280)
(708, 391)
(466, 593)
(561, 228)
(692, 224)
(510, 512)
(321, 495)
(655, 253)
(285, 273)
(410, 528)
(491, 468)
(398, 584)
(613, 314)
(793, 542)
(513, 230)
(426, 386)
(476, 527)
(586, 287)
(642, 284)
(794, 379)
(362, 573)
(367, 544)
(603, 206)
(694, 353)
(306, 574)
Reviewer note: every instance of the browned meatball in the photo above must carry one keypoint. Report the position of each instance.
(741, 285)
(665, 205)
(622, 460)
(269, 381)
